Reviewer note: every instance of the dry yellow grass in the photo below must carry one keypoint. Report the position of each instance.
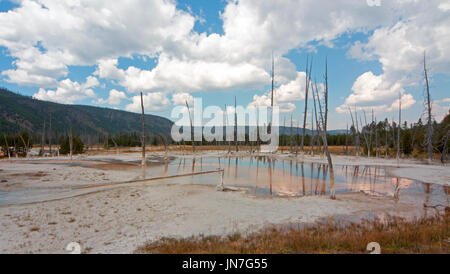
(431, 235)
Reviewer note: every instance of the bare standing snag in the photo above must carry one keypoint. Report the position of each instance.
(143, 131)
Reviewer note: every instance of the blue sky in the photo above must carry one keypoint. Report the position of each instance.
(102, 53)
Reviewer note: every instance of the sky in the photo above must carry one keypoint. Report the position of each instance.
(104, 53)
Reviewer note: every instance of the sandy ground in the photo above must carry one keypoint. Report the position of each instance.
(121, 219)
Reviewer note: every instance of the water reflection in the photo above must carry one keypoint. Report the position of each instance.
(265, 176)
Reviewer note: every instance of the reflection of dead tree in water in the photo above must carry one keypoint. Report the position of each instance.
(166, 166)
(163, 140)
(311, 179)
(375, 177)
(236, 168)
(397, 189)
(446, 190)
(427, 190)
(257, 167)
(324, 177)
(270, 176)
(229, 165)
(355, 176)
(303, 179)
(436, 208)
(317, 179)
(290, 168)
(179, 165)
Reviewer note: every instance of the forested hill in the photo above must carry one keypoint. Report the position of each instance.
(19, 113)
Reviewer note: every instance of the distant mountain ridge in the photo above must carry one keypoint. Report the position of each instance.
(19, 113)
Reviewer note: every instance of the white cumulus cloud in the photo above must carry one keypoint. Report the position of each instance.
(114, 99)
(68, 91)
(153, 102)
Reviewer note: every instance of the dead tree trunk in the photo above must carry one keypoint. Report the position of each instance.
(57, 143)
(250, 141)
(290, 138)
(115, 145)
(70, 143)
(258, 140)
(307, 74)
(25, 145)
(399, 126)
(355, 128)
(192, 128)
(7, 146)
(377, 151)
(445, 148)
(296, 137)
(282, 142)
(269, 129)
(346, 141)
(15, 147)
(235, 122)
(325, 145)
(358, 137)
(143, 161)
(50, 136)
(311, 140)
(429, 125)
(316, 118)
(394, 144)
(318, 126)
(326, 96)
(386, 144)
(43, 141)
(366, 135)
(227, 127)
(414, 133)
